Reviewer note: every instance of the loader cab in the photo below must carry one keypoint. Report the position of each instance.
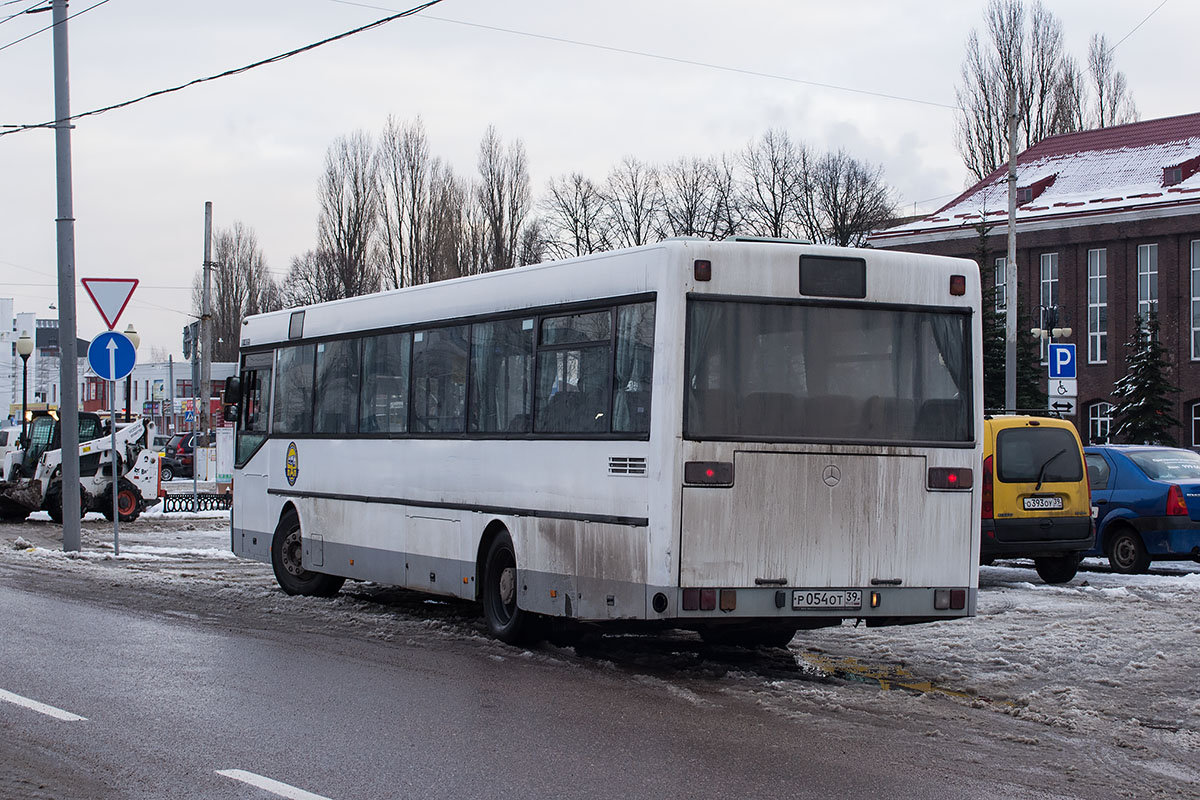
(44, 434)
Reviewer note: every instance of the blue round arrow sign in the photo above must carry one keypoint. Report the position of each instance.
(111, 355)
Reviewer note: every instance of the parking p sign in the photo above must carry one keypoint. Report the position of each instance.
(1062, 361)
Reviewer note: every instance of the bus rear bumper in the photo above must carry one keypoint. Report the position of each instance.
(816, 607)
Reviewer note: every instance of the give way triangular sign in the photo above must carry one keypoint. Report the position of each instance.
(110, 295)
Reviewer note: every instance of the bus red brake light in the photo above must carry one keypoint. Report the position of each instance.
(702, 269)
(950, 478)
(1176, 505)
(987, 488)
(708, 473)
(958, 285)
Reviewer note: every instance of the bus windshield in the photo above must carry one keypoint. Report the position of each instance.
(771, 371)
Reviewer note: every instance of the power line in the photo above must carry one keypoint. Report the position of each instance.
(51, 25)
(29, 10)
(1140, 24)
(225, 74)
(672, 59)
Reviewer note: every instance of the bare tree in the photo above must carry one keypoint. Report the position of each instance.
(851, 199)
(632, 196)
(688, 198)
(312, 278)
(503, 196)
(403, 172)
(241, 287)
(773, 185)
(576, 217)
(1023, 49)
(349, 215)
(1114, 103)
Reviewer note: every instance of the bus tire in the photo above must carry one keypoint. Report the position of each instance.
(286, 559)
(1127, 553)
(505, 619)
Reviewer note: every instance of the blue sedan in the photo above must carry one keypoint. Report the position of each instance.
(1148, 501)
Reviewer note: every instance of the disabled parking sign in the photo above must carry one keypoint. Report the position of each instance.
(1062, 362)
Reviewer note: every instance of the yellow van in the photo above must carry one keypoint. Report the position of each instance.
(1036, 499)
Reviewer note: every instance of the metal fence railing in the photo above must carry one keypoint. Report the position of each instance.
(205, 501)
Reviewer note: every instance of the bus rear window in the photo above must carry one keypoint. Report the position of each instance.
(764, 371)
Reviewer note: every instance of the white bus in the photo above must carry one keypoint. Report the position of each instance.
(745, 438)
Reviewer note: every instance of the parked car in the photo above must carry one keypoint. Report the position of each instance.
(160, 444)
(1035, 494)
(179, 459)
(1148, 504)
(170, 468)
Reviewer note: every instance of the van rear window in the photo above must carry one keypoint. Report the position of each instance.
(1023, 453)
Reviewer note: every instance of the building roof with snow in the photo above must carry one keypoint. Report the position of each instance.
(1123, 173)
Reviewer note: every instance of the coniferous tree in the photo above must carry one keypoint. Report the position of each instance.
(1142, 413)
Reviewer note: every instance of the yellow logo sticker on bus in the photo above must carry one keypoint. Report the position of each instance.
(291, 465)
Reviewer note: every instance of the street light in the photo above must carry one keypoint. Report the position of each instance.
(24, 350)
(1050, 320)
(135, 340)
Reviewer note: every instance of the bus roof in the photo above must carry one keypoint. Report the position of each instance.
(617, 273)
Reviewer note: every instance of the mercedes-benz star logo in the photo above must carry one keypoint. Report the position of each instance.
(832, 476)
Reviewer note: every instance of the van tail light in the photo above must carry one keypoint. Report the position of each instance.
(1176, 506)
(987, 488)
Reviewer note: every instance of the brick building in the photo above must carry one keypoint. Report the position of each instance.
(1108, 226)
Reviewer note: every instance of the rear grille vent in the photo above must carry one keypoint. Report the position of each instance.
(626, 465)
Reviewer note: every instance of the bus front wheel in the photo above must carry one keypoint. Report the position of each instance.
(505, 620)
(286, 559)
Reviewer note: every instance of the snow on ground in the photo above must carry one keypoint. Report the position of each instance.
(1106, 656)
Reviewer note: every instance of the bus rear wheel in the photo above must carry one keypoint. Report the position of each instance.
(505, 619)
(287, 550)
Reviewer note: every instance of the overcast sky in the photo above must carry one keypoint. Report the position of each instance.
(253, 144)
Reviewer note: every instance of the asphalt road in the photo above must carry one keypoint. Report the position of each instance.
(179, 683)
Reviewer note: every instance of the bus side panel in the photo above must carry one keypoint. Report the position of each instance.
(599, 569)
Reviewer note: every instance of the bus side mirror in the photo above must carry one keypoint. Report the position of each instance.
(233, 390)
(230, 413)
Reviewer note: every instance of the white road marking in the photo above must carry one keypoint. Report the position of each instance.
(41, 708)
(272, 786)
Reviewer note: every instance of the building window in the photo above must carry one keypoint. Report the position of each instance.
(1195, 424)
(1195, 299)
(1097, 306)
(1001, 285)
(1049, 296)
(1147, 280)
(1172, 176)
(1100, 421)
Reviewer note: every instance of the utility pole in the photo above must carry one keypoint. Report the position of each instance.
(1010, 262)
(206, 331)
(65, 229)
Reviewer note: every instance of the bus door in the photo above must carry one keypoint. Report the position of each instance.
(252, 519)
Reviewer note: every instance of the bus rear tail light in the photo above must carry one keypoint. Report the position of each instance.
(987, 488)
(950, 478)
(958, 285)
(949, 599)
(1176, 505)
(728, 599)
(708, 473)
(702, 269)
(705, 599)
